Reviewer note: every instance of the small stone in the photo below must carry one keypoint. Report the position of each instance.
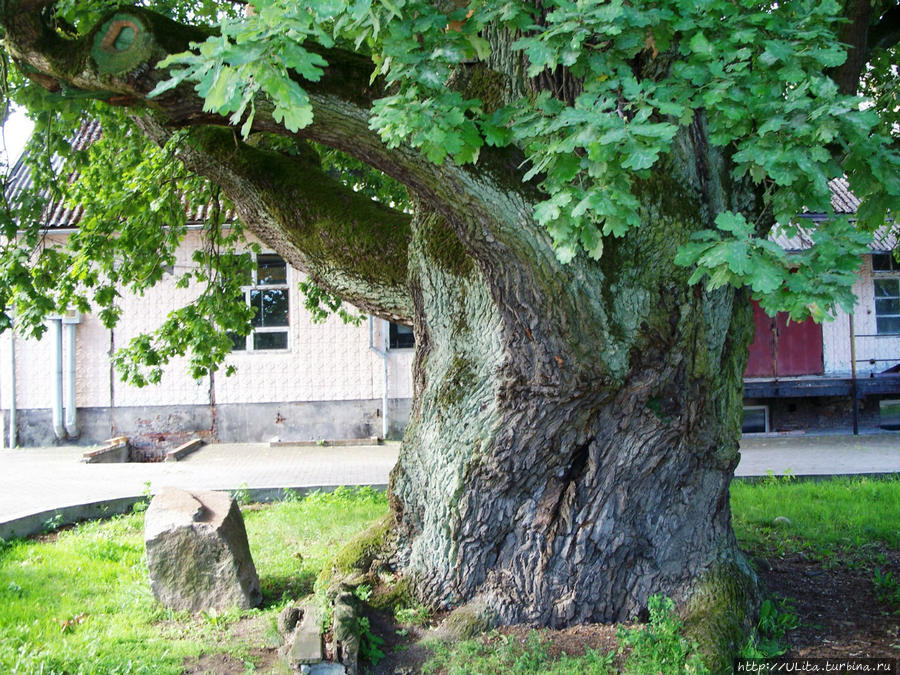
(327, 668)
(197, 552)
(781, 520)
(287, 619)
(307, 645)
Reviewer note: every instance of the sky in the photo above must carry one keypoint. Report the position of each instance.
(15, 133)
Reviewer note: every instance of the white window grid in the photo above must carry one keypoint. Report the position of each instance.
(256, 286)
(886, 288)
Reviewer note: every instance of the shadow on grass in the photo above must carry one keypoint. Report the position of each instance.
(276, 588)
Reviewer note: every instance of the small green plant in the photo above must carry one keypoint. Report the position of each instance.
(370, 644)
(218, 619)
(242, 494)
(290, 496)
(141, 505)
(776, 618)
(52, 523)
(659, 647)
(887, 589)
(363, 592)
(416, 615)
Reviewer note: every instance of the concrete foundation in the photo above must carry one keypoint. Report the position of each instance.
(154, 429)
(818, 414)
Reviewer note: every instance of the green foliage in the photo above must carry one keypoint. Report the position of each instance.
(415, 615)
(755, 79)
(776, 619)
(370, 644)
(242, 494)
(321, 304)
(887, 589)
(752, 79)
(659, 646)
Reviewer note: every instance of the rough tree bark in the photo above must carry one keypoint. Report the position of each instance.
(575, 427)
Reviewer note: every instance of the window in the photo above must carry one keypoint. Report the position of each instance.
(756, 419)
(268, 295)
(401, 337)
(887, 293)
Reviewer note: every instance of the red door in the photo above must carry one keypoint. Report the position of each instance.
(784, 348)
(762, 349)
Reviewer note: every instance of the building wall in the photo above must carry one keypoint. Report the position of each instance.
(885, 350)
(330, 364)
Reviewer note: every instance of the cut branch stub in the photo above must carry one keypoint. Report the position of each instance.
(122, 44)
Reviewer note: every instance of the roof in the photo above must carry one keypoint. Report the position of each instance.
(58, 215)
(843, 202)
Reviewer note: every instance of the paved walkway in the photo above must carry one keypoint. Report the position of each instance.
(37, 480)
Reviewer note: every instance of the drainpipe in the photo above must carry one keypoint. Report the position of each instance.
(853, 378)
(57, 409)
(13, 440)
(384, 360)
(71, 423)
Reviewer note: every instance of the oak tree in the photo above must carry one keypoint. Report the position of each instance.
(569, 200)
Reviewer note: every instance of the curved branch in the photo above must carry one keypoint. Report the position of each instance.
(352, 246)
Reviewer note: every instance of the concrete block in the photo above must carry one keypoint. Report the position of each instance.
(117, 450)
(307, 645)
(184, 450)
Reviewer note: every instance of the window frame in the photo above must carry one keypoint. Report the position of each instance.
(255, 285)
(398, 340)
(890, 273)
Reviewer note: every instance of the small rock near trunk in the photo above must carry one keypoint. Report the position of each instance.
(197, 552)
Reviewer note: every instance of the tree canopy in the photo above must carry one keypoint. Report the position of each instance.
(586, 97)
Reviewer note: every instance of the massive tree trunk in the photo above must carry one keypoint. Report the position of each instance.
(574, 427)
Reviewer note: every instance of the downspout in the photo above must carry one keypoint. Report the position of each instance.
(57, 407)
(384, 360)
(71, 423)
(853, 378)
(13, 436)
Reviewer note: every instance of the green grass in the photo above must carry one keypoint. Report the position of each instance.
(847, 521)
(497, 653)
(82, 603)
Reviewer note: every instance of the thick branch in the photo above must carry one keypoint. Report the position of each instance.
(352, 246)
(855, 34)
(341, 104)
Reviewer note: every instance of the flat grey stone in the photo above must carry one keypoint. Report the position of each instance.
(307, 645)
(327, 668)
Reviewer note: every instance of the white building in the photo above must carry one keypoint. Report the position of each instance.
(295, 380)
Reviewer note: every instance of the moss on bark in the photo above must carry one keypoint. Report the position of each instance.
(356, 560)
(721, 612)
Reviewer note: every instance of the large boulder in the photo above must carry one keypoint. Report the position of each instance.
(197, 552)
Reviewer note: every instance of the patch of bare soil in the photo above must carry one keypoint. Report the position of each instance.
(224, 664)
(839, 613)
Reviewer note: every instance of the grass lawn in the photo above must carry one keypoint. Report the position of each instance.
(78, 601)
(81, 602)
